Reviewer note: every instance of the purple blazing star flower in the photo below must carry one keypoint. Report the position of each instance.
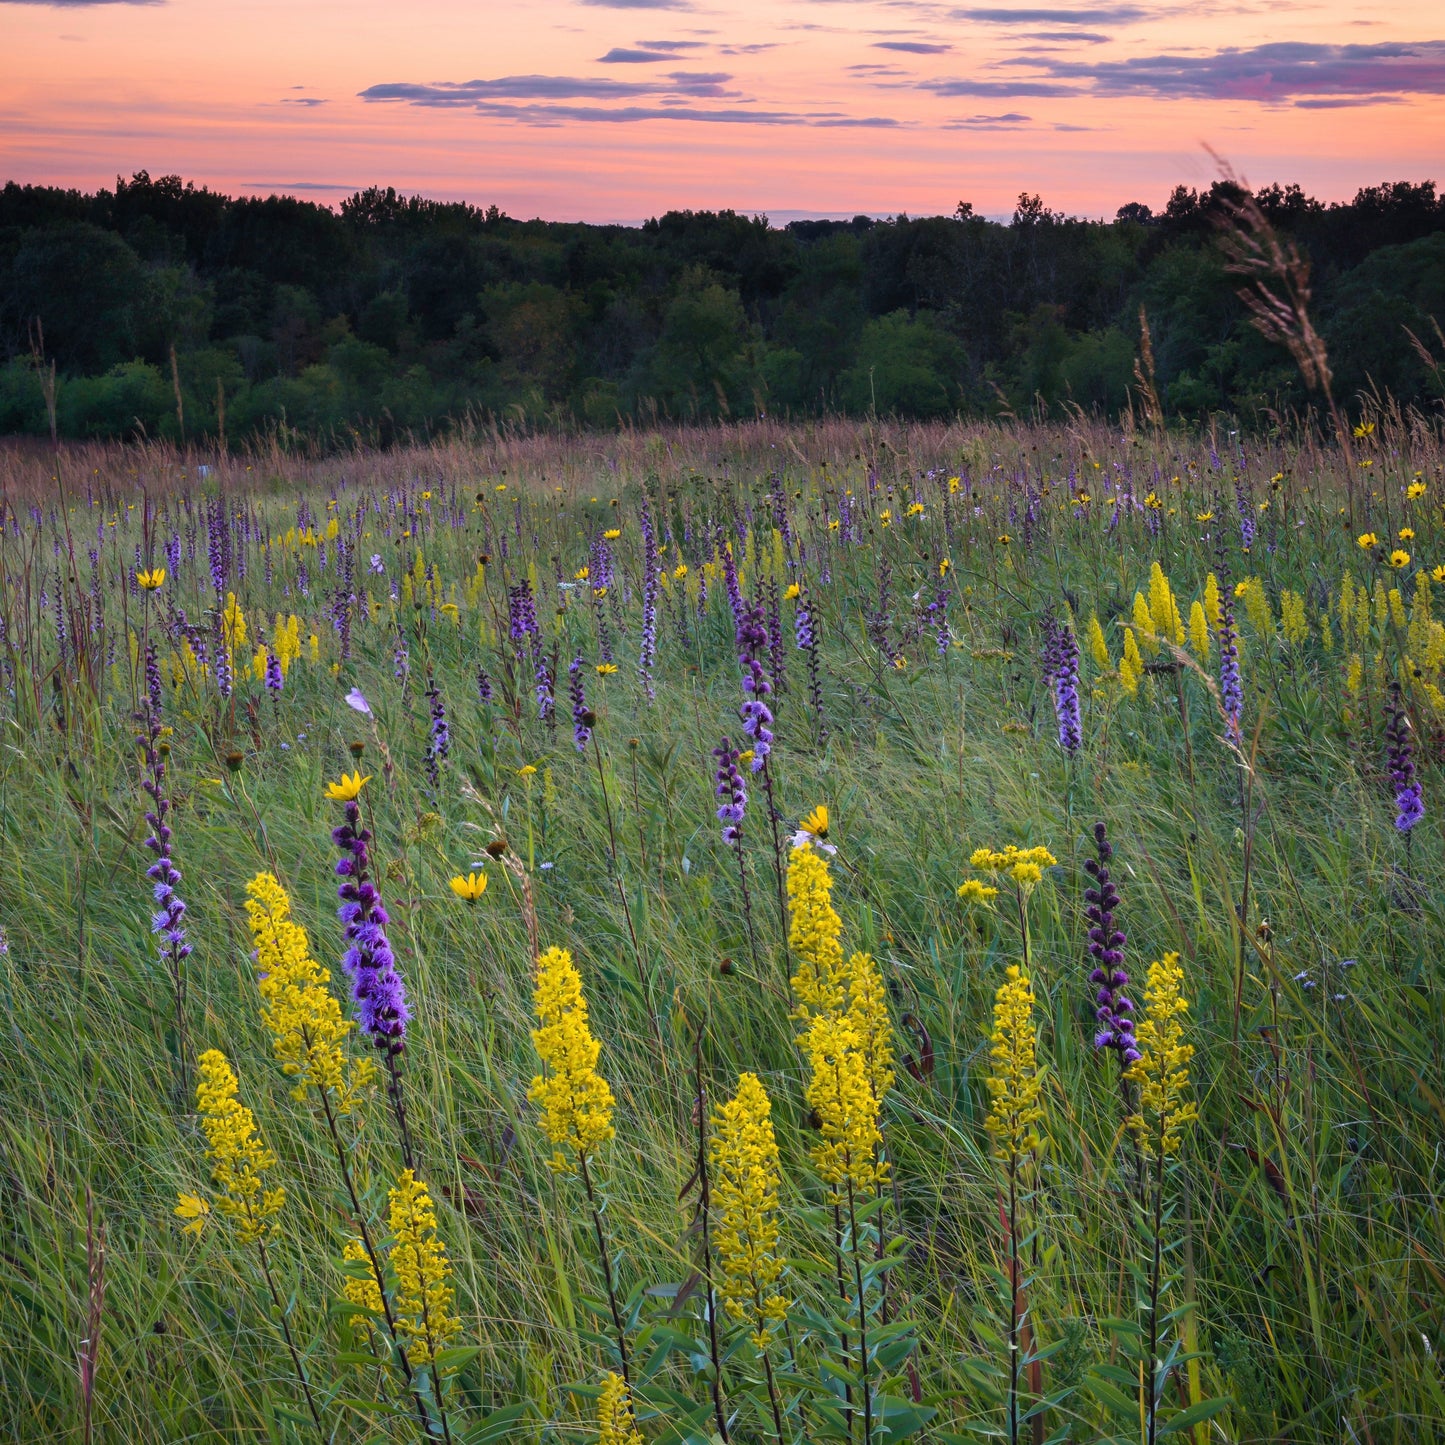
(1113, 1007)
(1409, 796)
(484, 685)
(757, 717)
(168, 922)
(376, 986)
(647, 653)
(439, 738)
(275, 678)
(729, 788)
(1066, 689)
(582, 716)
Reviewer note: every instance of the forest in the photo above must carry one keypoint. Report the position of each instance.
(165, 310)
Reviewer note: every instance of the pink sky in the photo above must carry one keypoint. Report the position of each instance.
(579, 109)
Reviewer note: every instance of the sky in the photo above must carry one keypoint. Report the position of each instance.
(616, 110)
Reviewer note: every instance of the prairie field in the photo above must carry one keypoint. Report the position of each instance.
(843, 932)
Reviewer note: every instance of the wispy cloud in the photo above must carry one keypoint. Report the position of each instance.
(79, 4)
(639, 4)
(1069, 37)
(306, 100)
(1110, 15)
(1011, 120)
(1277, 73)
(624, 55)
(697, 85)
(999, 89)
(551, 115)
(912, 47)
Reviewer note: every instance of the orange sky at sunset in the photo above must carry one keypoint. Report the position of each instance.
(579, 109)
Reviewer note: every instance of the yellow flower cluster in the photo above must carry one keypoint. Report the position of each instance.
(423, 1290)
(360, 1289)
(1292, 619)
(813, 933)
(616, 1424)
(1199, 631)
(1131, 665)
(238, 1157)
(1013, 1084)
(872, 1029)
(1164, 607)
(745, 1190)
(1024, 865)
(303, 1016)
(286, 641)
(233, 625)
(839, 1093)
(575, 1100)
(1162, 1070)
(1098, 648)
(972, 891)
(1256, 607)
(1213, 608)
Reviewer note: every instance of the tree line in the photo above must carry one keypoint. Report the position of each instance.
(170, 310)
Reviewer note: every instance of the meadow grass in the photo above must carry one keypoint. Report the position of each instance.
(1304, 1239)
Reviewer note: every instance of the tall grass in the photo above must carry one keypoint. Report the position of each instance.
(1304, 1242)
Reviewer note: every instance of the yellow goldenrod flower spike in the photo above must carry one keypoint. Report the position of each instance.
(1162, 1069)
(1025, 865)
(357, 1288)
(872, 1028)
(151, 579)
(471, 887)
(1013, 1084)
(839, 1094)
(239, 1158)
(813, 933)
(1131, 665)
(745, 1194)
(575, 1100)
(423, 1288)
(616, 1424)
(972, 891)
(349, 788)
(303, 1016)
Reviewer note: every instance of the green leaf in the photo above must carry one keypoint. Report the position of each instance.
(1195, 1414)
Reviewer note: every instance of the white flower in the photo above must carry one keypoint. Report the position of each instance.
(804, 839)
(355, 700)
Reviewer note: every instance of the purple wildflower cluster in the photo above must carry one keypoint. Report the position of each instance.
(168, 922)
(1400, 748)
(582, 716)
(647, 653)
(1112, 1006)
(376, 986)
(1231, 685)
(1061, 673)
(756, 715)
(729, 788)
(439, 737)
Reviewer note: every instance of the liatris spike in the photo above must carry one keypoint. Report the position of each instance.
(1112, 1007)
(575, 1100)
(168, 922)
(275, 677)
(745, 1184)
(729, 788)
(1400, 747)
(439, 738)
(757, 717)
(582, 716)
(376, 986)
(1066, 689)
(647, 652)
(1231, 687)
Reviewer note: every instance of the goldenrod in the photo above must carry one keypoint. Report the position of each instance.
(1013, 1084)
(304, 1018)
(1199, 631)
(1131, 665)
(813, 933)
(423, 1288)
(839, 1093)
(239, 1158)
(1162, 1070)
(575, 1100)
(868, 1013)
(616, 1424)
(745, 1191)
(1098, 648)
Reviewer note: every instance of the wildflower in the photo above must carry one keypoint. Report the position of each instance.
(606, 669)
(793, 591)
(439, 738)
(1131, 664)
(1066, 690)
(839, 1094)
(423, 1290)
(582, 716)
(972, 891)
(376, 986)
(239, 1158)
(1024, 865)
(873, 1029)
(471, 887)
(757, 717)
(1112, 1007)
(1199, 631)
(575, 1100)
(1399, 558)
(616, 1424)
(813, 831)
(612, 534)
(348, 789)
(151, 579)
(1368, 540)
(1415, 491)
(1409, 796)
(194, 1210)
(745, 1193)
(1231, 687)
(1406, 534)
(729, 787)
(1013, 1084)
(305, 1020)
(1162, 1069)
(813, 933)
(1098, 647)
